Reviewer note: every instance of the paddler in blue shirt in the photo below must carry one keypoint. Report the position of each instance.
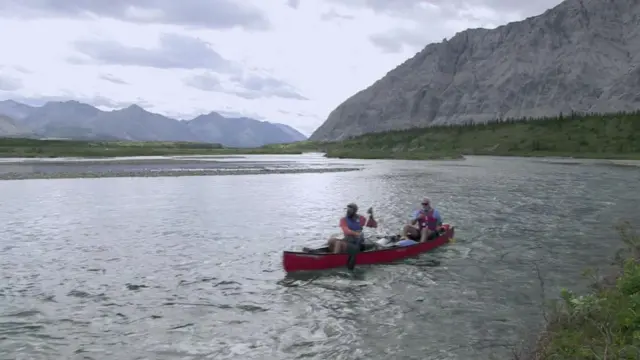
(352, 225)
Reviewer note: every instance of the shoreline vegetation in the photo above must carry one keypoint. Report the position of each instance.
(603, 324)
(594, 136)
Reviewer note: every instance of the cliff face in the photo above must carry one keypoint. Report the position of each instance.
(582, 55)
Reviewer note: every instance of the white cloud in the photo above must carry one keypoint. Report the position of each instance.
(218, 14)
(8, 83)
(286, 61)
(113, 79)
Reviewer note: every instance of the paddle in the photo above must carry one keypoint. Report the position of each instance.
(354, 249)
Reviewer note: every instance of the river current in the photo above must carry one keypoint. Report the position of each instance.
(190, 267)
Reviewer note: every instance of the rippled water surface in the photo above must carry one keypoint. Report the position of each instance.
(190, 267)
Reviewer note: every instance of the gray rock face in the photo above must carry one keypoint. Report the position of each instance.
(8, 127)
(75, 120)
(242, 132)
(14, 109)
(582, 55)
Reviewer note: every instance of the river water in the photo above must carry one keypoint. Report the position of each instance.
(190, 267)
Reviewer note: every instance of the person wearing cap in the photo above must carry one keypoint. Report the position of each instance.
(352, 225)
(424, 222)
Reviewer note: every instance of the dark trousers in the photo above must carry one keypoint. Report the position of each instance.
(354, 244)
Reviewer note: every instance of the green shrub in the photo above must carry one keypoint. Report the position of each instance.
(601, 325)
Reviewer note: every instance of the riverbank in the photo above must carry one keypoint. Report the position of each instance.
(59, 168)
(602, 325)
(35, 148)
(30, 175)
(594, 136)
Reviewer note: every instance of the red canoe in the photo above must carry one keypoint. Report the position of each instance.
(304, 261)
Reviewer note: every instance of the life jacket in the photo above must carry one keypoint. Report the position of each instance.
(354, 224)
(429, 221)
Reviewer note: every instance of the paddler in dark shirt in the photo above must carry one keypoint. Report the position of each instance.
(352, 225)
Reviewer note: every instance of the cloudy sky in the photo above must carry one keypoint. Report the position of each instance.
(289, 61)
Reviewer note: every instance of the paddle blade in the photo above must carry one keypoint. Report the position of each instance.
(452, 240)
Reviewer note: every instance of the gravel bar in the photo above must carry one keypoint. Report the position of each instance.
(159, 173)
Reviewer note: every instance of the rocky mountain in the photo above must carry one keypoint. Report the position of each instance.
(582, 56)
(75, 120)
(9, 128)
(14, 109)
(242, 132)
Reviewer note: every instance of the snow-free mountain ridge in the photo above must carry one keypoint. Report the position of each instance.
(76, 120)
(581, 56)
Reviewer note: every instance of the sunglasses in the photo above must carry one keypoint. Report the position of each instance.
(425, 204)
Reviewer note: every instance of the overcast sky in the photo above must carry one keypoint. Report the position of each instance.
(289, 61)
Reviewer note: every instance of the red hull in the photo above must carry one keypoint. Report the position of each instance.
(301, 261)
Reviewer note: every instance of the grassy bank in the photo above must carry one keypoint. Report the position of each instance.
(32, 148)
(392, 155)
(613, 136)
(604, 324)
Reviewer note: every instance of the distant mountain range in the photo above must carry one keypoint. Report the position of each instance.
(75, 120)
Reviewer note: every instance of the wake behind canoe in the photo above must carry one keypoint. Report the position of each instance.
(320, 259)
